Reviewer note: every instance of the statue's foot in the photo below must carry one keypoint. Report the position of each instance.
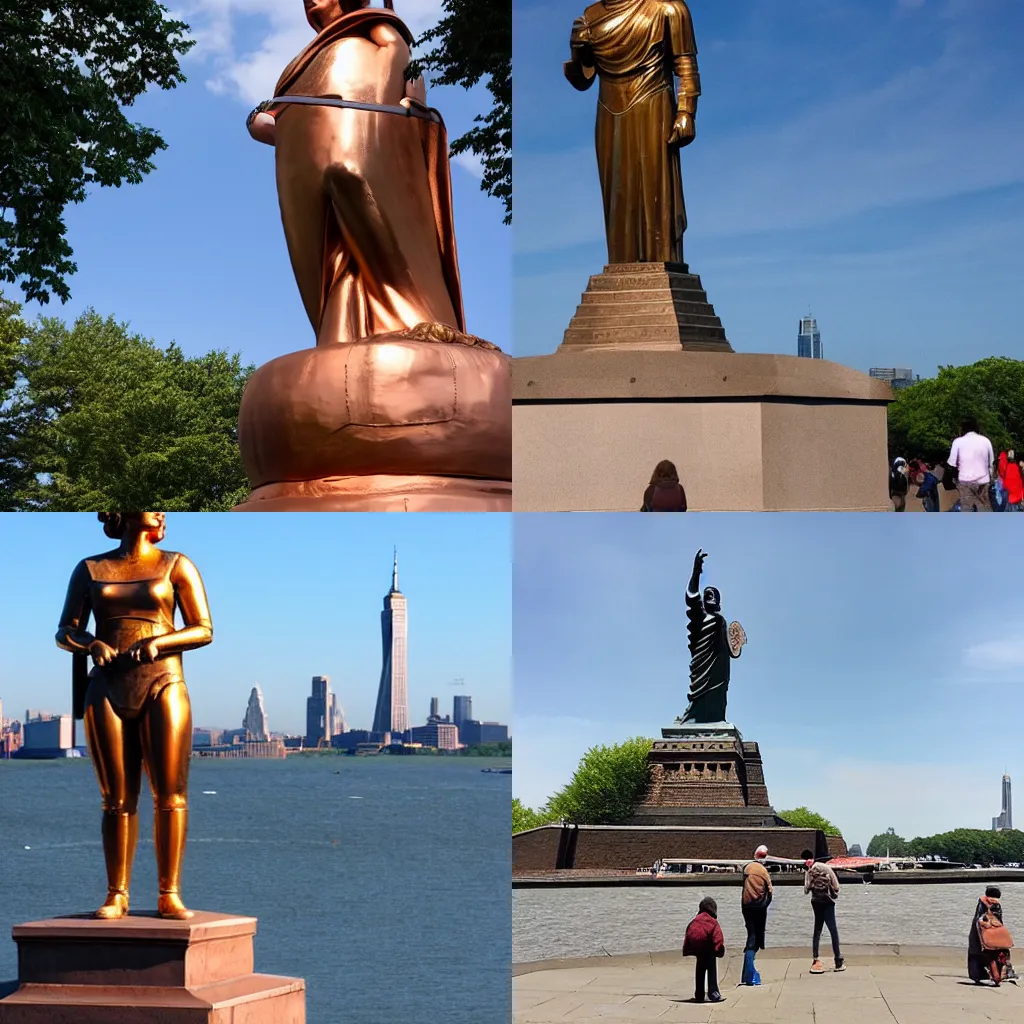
(169, 905)
(115, 907)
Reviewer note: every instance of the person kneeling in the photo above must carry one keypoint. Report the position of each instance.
(704, 940)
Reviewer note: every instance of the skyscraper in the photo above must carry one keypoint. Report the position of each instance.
(808, 342)
(392, 714)
(255, 720)
(463, 709)
(1005, 819)
(318, 712)
(338, 723)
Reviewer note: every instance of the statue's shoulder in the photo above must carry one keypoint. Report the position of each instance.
(593, 12)
(675, 9)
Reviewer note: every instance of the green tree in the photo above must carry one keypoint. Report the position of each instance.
(888, 844)
(524, 817)
(801, 817)
(473, 42)
(607, 786)
(925, 418)
(93, 417)
(67, 71)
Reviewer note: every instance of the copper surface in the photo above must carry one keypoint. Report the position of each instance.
(637, 49)
(391, 406)
(137, 710)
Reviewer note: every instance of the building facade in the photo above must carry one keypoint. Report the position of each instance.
(808, 342)
(473, 733)
(392, 711)
(443, 735)
(897, 377)
(255, 720)
(318, 712)
(462, 710)
(1005, 819)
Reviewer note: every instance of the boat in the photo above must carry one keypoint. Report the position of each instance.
(496, 771)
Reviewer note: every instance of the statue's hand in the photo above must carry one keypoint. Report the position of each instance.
(698, 560)
(684, 129)
(101, 653)
(262, 126)
(144, 651)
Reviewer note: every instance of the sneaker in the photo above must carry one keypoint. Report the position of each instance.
(840, 964)
(817, 967)
(716, 997)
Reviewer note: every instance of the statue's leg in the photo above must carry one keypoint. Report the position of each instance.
(117, 759)
(167, 748)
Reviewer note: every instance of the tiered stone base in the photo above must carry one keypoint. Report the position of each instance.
(649, 306)
(706, 776)
(145, 970)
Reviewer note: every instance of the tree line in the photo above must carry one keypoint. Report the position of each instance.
(961, 845)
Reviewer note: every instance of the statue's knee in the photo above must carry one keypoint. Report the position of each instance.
(172, 802)
(114, 806)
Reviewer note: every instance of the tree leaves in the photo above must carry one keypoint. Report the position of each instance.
(94, 417)
(67, 71)
(474, 42)
(801, 817)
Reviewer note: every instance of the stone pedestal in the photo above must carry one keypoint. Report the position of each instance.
(706, 775)
(748, 433)
(406, 422)
(646, 305)
(145, 970)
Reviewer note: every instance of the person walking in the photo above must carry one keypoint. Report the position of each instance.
(665, 493)
(757, 897)
(821, 884)
(704, 940)
(928, 489)
(1013, 481)
(972, 457)
(898, 484)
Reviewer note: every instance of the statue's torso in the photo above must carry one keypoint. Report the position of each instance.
(355, 68)
(629, 43)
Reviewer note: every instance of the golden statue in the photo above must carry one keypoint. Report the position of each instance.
(397, 408)
(134, 701)
(363, 179)
(637, 48)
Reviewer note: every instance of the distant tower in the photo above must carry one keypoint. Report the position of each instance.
(1005, 819)
(434, 713)
(338, 723)
(255, 721)
(318, 712)
(808, 342)
(392, 713)
(463, 709)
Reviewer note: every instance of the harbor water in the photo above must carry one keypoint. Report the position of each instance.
(384, 882)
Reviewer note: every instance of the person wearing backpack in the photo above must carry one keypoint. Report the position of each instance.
(821, 884)
(757, 897)
(989, 942)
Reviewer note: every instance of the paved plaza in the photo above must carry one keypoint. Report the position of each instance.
(882, 985)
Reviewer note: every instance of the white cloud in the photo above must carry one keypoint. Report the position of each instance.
(250, 70)
(995, 654)
(472, 163)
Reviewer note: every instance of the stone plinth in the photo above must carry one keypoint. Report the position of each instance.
(746, 432)
(646, 305)
(145, 970)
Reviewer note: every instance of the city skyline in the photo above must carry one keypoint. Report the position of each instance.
(850, 680)
(313, 612)
(846, 190)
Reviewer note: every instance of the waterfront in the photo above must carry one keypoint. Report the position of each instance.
(384, 882)
(548, 924)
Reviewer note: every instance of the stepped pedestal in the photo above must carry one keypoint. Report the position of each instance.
(646, 305)
(145, 970)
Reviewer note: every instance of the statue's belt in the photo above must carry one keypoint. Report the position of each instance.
(423, 113)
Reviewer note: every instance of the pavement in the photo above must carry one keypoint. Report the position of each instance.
(881, 985)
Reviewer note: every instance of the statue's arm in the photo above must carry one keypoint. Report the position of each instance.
(683, 54)
(72, 635)
(693, 587)
(579, 69)
(262, 125)
(195, 611)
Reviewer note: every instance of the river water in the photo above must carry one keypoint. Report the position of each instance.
(384, 882)
(556, 923)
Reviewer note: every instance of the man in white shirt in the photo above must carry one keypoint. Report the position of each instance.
(973, 459)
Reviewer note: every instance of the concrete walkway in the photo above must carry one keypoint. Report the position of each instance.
(881, 985)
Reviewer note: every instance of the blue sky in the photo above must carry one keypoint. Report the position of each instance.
(196, 253)
(863, 160)
(883, 678)
(292, 596)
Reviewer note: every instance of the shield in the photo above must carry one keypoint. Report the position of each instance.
(737, 638)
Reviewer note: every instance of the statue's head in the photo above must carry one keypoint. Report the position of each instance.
(321, 13)
(712, 599)
(132, 524)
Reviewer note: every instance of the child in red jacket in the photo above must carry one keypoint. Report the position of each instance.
(705, 941)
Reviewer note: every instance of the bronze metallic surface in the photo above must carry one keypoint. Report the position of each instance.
(637, 49)
(395, 388)
(135, 703)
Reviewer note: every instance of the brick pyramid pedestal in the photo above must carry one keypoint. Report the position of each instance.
(145, 970)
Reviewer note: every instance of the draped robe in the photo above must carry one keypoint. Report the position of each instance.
(365, 196)
(634, 47)
(710, 662)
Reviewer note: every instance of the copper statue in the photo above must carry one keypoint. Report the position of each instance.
(397, 407)
(134, 702)
(712, 647)
(637, 48)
